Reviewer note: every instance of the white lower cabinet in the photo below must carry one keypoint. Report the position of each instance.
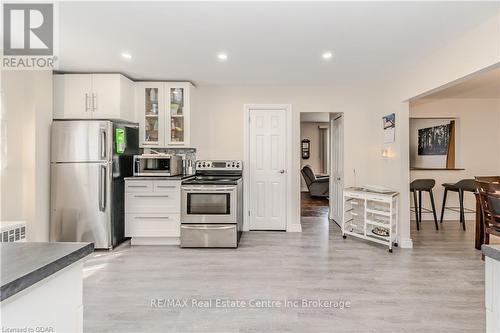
(152, 211)
(54, 304)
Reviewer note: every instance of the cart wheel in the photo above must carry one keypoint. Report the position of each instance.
(395, 244)
(390, 250)
(344, 236)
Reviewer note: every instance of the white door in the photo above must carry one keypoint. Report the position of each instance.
(267, 199)
(337, 167)
(106, 96)
(77, 96)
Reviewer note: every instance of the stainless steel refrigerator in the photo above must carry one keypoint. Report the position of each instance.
(89, 160)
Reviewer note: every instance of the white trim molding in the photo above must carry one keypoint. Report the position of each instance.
(290, 225)
(406, 243)
(294, 227)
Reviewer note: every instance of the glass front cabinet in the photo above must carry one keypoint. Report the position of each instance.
(163, 112)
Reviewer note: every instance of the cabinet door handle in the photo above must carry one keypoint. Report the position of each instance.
(86, 102)
(141, 186)
(94, 101)
(165, 186)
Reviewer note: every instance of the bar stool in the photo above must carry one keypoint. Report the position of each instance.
(464, 185)
(419, 186)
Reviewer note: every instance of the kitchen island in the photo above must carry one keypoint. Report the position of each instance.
(41, 286)
(492, 288)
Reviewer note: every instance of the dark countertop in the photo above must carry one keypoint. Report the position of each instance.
(178, 177)
(435, 169)
(24, 264)
(492, 251)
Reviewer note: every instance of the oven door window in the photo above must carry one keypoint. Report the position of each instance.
(208, 203)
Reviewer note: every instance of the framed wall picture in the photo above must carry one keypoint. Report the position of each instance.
(389, 125)
(306, 149)
(434, 140)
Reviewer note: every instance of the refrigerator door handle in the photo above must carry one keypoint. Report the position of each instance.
(104, 143)
(102, 187)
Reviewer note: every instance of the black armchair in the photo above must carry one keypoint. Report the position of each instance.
(319, 186)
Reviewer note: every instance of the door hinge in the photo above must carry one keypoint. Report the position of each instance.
(248, 213)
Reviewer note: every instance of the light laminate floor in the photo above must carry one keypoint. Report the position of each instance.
(436, 287)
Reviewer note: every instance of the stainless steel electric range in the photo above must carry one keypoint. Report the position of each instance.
(212, 205)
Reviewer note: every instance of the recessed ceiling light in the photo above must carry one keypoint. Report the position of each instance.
(126, 55)
(222, 56)
(327, 55)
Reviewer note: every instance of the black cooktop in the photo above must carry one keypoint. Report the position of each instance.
(212, 180)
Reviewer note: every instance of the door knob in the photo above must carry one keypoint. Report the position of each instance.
(282, 171)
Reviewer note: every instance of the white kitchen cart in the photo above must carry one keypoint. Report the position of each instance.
(370, 212)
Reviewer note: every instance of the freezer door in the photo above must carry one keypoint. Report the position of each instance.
(81, 141)
(80, 203)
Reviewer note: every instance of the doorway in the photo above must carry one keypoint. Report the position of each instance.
(321, 163)
(452, 134)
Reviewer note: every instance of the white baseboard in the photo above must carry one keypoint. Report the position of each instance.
(406, 243)
(294, 228)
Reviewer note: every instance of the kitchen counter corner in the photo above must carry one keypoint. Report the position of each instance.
(492, 251)
(24, 264)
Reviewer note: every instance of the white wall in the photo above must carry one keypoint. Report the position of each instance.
(217, 125)
(478, 135)
(477, 49)
(310, 130)
(25, 144)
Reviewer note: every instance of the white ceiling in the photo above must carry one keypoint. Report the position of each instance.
(482, 85)
(267, 42)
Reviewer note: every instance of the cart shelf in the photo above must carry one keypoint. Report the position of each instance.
(365, 210)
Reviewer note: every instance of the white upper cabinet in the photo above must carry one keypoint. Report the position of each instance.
(149, 99)
(163, 112)
(93, 96)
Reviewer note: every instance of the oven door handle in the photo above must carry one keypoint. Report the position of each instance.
(208, 227)
(206, 189)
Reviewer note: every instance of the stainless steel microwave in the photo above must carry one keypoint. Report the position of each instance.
(157, 165)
